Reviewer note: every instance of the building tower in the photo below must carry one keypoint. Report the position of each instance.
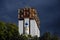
(28, 22)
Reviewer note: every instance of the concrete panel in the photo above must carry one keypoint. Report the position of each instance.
(26, 25)
(20, 25)
(34, 28)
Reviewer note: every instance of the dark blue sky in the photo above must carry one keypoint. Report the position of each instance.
(48, 11)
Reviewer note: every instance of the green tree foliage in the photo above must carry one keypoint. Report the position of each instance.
(35, 38)
(46, 36)
(8, 31)
(54, 37)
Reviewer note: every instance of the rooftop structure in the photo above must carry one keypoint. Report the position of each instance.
(30, 13)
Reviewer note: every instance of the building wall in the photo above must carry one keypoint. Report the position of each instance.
(34, 30)
(20, 25)
(29, 16)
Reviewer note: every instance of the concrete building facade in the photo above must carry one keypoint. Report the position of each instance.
(28, 22)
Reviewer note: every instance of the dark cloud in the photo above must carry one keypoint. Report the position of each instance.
(48, 10)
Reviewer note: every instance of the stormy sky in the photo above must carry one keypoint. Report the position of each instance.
(48, 12)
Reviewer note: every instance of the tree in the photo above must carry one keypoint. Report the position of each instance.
(54, 37)
(35, 38)
(46, 36)
(23, 37)
(12, 31)
(2, 31)
(8, 31)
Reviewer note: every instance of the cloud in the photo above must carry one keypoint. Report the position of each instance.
(48, 10)
(42, 2)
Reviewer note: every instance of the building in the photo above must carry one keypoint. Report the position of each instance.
(28, 22)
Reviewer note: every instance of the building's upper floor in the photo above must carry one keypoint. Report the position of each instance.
(30, 13)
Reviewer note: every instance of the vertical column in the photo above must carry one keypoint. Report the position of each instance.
(26, 25)
(20, 25)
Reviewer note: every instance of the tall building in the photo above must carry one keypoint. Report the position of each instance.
(28, 22)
